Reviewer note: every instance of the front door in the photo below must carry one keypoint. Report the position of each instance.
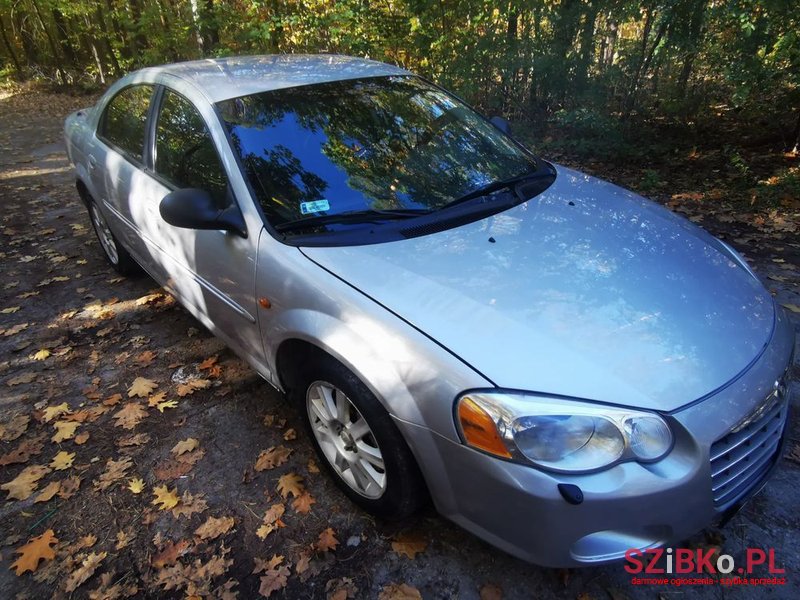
(211, 271)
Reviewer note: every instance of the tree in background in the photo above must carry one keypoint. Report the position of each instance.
(529, 59)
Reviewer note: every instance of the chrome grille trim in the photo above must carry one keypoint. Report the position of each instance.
(740, 460)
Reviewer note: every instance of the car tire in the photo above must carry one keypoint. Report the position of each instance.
(115, 253)
(357, 441)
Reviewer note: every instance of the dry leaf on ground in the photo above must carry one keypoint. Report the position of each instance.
(24, 484)
(36, 550)
(130, 415)
(141, 387)
(65, 430)
(409, 544)
(85, 571)
(115, 470)
(185, 389)
(63, 460)
(399, 591)
(165, 497)
(50, 490)
(185, 446)
(326, 541)
(136, 485)
(272, 457)
(275, 575)
(14, 427)
(69, 486)
(214, 527)
(302, 504)
(290, 483)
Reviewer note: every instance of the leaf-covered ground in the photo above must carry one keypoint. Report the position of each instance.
(140, 458)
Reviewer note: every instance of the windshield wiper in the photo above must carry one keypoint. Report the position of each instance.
(355, 216)
(500, 184)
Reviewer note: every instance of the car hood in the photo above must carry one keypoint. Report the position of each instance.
(587, 291)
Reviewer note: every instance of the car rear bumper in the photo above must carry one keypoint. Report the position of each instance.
(521, 510)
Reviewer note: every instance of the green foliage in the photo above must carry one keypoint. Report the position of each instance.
(596, 67)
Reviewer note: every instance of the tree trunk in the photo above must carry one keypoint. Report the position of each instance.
(63, 38)
(209, 27)
(695, 33)
(28, 43)
(51, 41)
(587, 47)
(796, 135)
(10, 48)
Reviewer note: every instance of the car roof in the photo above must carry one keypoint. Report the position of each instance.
(224, 78)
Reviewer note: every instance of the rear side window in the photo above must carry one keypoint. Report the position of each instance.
(185, 152)
(125, 118)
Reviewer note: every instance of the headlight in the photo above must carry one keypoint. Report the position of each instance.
(560, 435)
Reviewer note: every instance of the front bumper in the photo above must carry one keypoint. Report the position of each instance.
(520, 509)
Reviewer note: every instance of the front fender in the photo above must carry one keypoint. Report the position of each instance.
(415, 378)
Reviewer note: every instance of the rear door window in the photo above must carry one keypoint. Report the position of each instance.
(124, 121)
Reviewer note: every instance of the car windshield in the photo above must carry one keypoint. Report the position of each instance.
(375, 144)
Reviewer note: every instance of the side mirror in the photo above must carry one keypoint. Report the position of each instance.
(191, 208)
(501, 124)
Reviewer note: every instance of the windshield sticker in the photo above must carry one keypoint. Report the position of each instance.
(314, 207)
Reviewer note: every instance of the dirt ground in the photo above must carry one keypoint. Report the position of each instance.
(175, 495)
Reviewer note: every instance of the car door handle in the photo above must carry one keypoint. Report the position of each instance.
(92, 162)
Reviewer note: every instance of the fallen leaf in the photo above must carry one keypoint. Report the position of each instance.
(62, 461)
(302, 504)
(9, 310)
(136, 485)
(214, 527)
(115, 470)
(48, 492)
(409, 544)
(170, 554)
(399, 591)
(275, 577)
(272, 457)
(41, 354)
(133, 440)
(792, 307)
(141, 387)
(85, 571)
(207, 363)
(21, 378)
(340, 589)
(190, 505)
(156, 399)
(193, 385)
(24, 484)
(165, 497)
(53, 412)
(491, 591)
(36, 550)
(161, 406)
(290, 435)
(290, 483)
(69, 486)
(112, 400)
(145, 358)
(123, 539)
(312, 466)
(130, 415)
(14, 427)
(326, 541)
(81, 438)
(185, 446)
(24, 451)
(65, 430)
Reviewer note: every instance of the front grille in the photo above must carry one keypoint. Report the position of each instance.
(742, 458)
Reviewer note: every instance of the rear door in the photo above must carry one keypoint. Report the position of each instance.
(116, 159)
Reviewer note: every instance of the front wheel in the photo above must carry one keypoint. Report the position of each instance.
(115, 254)
(358, 442)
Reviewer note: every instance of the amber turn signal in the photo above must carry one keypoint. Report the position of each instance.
(479, 429)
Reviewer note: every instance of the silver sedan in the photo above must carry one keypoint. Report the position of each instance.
(567, 370)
